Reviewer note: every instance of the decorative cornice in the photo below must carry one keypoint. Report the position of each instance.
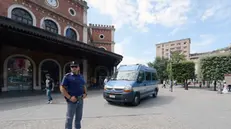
(81, 2)
(103, 42)
(43, 9)
(186, 39)
(100, 26)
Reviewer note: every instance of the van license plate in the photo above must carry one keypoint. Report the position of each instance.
(112, 96)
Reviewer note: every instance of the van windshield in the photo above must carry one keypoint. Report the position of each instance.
(125, 75)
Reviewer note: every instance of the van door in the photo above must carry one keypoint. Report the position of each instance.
(154, 81)
(140, 83)
(148, 83)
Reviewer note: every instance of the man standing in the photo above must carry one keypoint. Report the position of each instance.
(74, 91)
(49, 87)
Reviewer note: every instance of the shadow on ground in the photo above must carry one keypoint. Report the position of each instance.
(204, 88)
(200, 88)
(149, 102)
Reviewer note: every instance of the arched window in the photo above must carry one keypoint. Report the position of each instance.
(102, 48)
(51, 26)
(70, 33)
(22, 16)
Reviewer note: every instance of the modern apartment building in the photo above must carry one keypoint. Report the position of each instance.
(183, 45)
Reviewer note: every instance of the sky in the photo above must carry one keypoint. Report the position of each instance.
(140, 24)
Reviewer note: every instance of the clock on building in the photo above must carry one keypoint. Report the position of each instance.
(53, 3)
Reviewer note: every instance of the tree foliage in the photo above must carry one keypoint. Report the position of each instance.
(177, 56)
(161, 67)
(214, 67)
(183, 71)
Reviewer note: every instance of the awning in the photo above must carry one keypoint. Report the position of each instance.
(30, 37)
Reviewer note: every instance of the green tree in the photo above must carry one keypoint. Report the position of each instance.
(177, 56)
(213, 68)
(183, 71)
(161, 67)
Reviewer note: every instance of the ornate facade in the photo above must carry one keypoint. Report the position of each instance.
(43, 36)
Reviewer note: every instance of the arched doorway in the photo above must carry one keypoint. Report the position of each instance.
(19, 73)
(52, 67)
(66, 68)
(101, 73)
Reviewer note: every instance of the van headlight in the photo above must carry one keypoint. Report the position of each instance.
(128, 89)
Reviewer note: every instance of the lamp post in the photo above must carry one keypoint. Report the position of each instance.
(170, 76)
(171, 73)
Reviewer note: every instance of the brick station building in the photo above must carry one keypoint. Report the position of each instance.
(43, 36)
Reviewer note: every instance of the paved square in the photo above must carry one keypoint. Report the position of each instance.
(192, 109)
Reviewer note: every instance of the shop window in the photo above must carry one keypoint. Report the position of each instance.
(19, 74)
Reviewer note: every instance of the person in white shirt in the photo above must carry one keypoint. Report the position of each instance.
(225, 89)
(105, 80)
(164, 84)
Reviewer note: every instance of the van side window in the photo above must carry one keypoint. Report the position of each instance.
(148, 76)
(141, 74)
(154, 76)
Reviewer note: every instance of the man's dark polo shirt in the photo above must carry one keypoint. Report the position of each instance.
(74, 84)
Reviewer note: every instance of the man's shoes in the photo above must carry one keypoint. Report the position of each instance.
(49, 102)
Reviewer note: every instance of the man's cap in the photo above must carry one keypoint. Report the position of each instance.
(47, 74)
(74, 63)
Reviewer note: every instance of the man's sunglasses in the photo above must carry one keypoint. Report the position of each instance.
(74, 66)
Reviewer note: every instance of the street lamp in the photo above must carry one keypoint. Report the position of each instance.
(171, 73)
(170, 76)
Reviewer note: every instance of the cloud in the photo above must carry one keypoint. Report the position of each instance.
(205, 40)
(120, 48)
(218, 10)
(175, 31)
(140, 13)
(148, 52)
(209, 13)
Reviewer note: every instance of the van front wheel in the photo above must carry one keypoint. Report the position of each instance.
(136, 100)
(154, 95)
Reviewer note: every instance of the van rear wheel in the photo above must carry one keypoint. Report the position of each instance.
(136, 100)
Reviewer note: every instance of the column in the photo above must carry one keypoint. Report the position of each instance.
(85, 37)
(115, 69)
(85, 66)
(113, 40)
(85, 34)
(112, 47)
(5, 88)
(112, 70)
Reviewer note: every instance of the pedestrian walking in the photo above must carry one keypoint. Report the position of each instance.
(164, 84)
(74, 91)
(49, 88)
(225, 88)
(105, 81)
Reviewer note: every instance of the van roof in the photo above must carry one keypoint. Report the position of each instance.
(136, 67)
